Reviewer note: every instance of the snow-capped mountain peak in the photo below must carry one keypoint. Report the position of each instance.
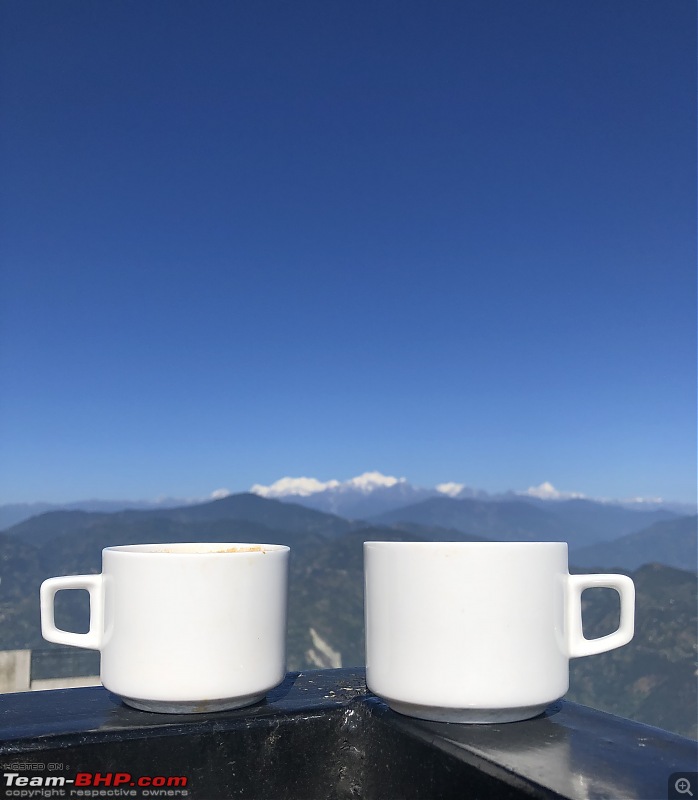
(305, 487)
(370, 481)
(293, 487)
(546, 491)
(358, 497)
(450, 489)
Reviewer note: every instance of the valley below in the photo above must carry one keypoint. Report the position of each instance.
(652, 680)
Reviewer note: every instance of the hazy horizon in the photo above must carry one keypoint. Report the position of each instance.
(304, 487)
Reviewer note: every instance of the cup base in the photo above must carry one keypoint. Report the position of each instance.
(193, 706)
(467, 716)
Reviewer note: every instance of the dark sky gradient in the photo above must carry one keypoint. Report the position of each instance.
(451, 241)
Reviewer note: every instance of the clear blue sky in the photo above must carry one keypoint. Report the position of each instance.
(243, 239)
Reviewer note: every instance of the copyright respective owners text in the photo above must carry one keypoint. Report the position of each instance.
(682, 785)
(30, 779)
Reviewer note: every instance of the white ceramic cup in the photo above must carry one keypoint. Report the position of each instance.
(478, 631)
(183, 628)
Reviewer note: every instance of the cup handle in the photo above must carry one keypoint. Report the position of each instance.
(577, 644)
(94, 585)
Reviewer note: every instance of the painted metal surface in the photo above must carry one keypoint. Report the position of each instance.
(323, 735)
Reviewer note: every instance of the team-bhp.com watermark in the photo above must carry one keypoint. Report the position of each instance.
(24, 781)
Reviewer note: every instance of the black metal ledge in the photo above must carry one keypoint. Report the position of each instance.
(323, 735)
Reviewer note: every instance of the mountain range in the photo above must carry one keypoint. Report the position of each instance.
(373, 493)
(365, 496)
(672, 542)
(652, 680)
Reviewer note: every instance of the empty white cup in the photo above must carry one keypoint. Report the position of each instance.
(478, 631)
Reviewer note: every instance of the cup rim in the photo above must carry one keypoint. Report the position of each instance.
(204, 549)
(462, 545)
